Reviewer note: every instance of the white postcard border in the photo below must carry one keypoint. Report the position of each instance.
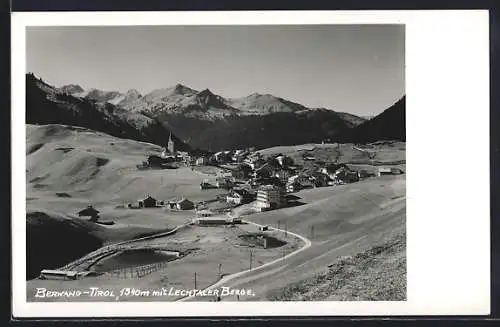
(448, 212)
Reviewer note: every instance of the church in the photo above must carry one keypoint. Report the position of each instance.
(169, 151)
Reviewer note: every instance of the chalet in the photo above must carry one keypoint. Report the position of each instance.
(365, 173)
(90, 211)
(182, 204)
(214, 221)
(308, 157)
(201, 161)
(222, 157)
(204, 213)
(274, 181)
(243, 171)
(396, 171)
(148, 202)
(345, 175)
(240, 156)
(270, 197)
(320, 179)
(298, 184)
(265, 171)
(222, 182)
(63, 274)
(331, 169)
(255, 162)
(283, 175)
(158, 161)
(384, 171)
(301, 178)
(239, 196)
(283, 160)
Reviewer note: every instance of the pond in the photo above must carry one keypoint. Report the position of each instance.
(132, 258)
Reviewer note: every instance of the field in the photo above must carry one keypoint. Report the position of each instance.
(69, 168)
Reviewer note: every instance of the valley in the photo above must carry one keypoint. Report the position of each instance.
(70, 168)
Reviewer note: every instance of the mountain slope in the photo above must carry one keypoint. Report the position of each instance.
(264, 104)
(46, 104)
(71, 89)
(209, 121)
(389, 125)
(262, 131)
(96, 95)
(183, 100)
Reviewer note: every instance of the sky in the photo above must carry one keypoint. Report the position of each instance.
(351, 68)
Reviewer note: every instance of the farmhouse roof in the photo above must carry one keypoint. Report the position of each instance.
(89, 211)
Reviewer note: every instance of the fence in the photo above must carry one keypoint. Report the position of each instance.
(136, 272)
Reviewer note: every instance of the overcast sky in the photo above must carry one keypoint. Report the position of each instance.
(352, 68)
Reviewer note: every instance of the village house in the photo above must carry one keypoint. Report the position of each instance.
(365, 173)
(265, 171)
(283, 175)
(384, 171)
(345, 175)
(64, 274)
(214, 221)
(331, 169)
(223, 182)
(275, 181)
(270, 197)
(204, 213)
(306, 156)
(243, 171)
(298, 183)
(148, 202)
(239, 196)
(222, 157)
(182, 204)
(255, 161)
(283, 160)
(240, 155)
(201, 161)
(321, 179)
(90, 211)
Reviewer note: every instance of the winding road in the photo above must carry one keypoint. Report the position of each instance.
(227, 278)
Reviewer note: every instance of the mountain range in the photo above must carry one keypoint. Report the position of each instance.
(46, 104)
(203, 119)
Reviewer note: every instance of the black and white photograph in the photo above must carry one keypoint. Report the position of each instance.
(216, 163)
(234, 163)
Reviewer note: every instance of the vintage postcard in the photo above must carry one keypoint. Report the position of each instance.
(251, 163)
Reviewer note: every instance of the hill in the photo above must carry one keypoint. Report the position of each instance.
(347, 279)
(46, 104)
(261, 131)
(69, 168)
(349, 220)
(389, 125)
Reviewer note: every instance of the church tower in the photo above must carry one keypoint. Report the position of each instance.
(171, 145)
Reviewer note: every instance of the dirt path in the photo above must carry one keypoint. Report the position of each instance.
(227, 278)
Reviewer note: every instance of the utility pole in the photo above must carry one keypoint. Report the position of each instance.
(195, 280)
(286, 231)
(220, 270)
(250, 258)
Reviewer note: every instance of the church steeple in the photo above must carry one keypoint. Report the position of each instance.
(170, 145)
